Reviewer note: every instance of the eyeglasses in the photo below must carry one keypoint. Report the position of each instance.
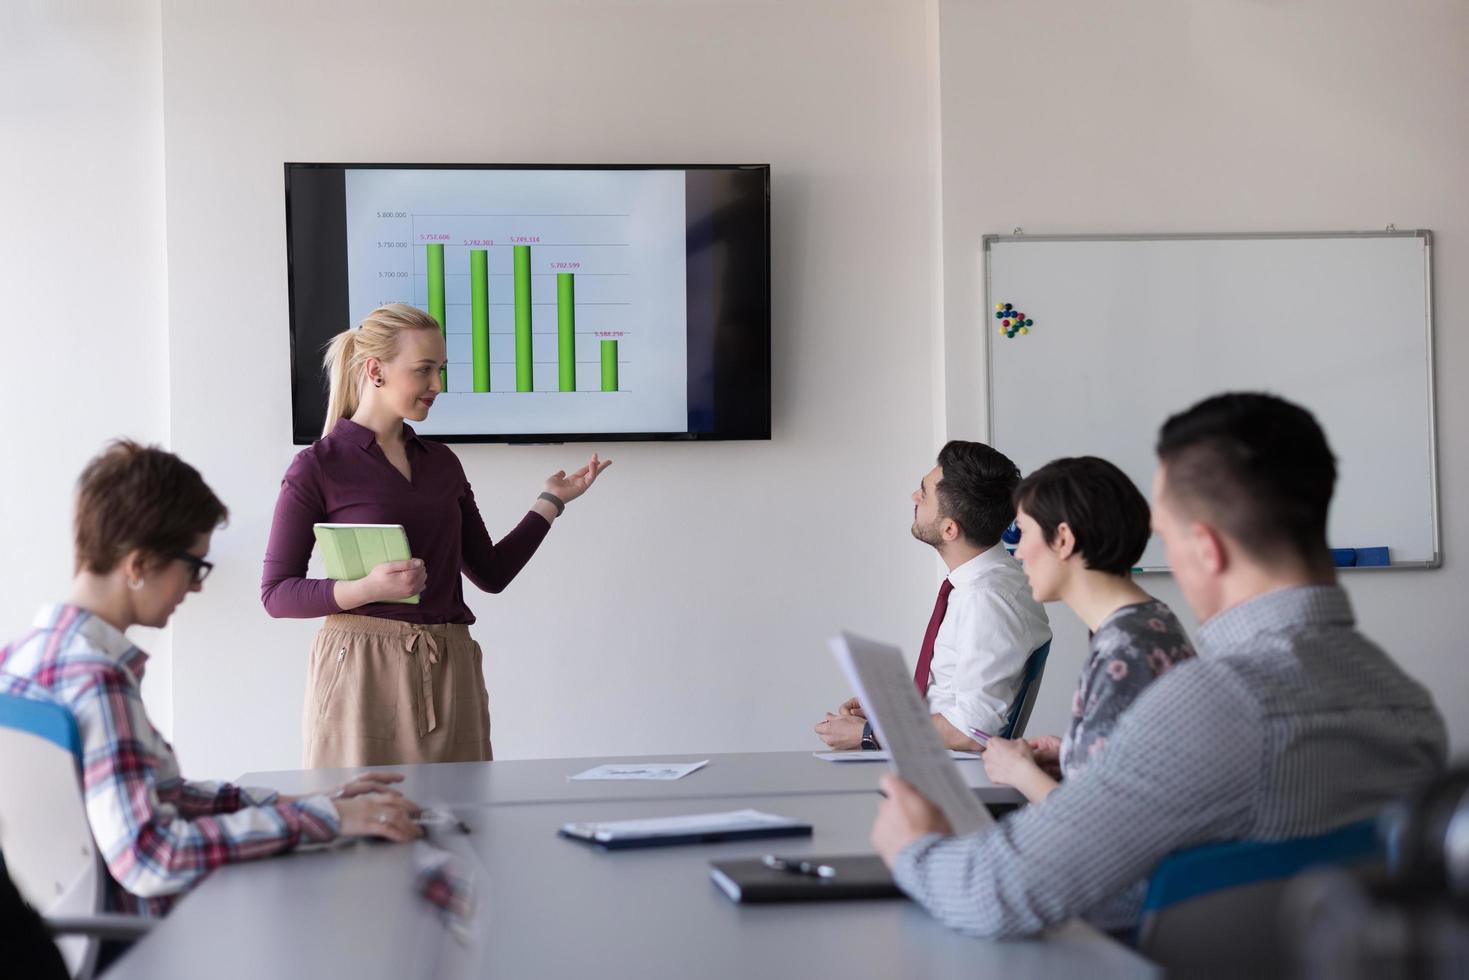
(199, 566)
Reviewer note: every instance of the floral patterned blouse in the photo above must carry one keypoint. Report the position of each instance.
(1130, 649)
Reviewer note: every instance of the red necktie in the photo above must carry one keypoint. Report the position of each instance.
(925, 655)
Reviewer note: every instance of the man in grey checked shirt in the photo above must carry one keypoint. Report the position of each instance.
(1290, 723)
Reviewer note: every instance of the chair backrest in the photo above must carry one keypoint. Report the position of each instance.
(43, 819)
(1030, 687)
(1215, 909)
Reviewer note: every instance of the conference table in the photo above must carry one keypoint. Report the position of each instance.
(550, 907)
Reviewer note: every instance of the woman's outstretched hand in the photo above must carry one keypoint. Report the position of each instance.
(567, 487)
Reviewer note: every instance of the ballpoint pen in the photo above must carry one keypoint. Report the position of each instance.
(797, 866)
(983, 738)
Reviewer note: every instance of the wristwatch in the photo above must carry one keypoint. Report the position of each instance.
(869, 740)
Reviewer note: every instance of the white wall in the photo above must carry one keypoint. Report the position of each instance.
(83, 276)
(682, 606)
(1166, 115)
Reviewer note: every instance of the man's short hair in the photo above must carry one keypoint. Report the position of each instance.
(140, 497)
(974, 491)
(1257, 467)
(1107, 514)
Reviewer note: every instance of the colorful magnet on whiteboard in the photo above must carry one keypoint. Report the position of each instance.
(1029, 322)
(1024, 330)
(1011, 534)
(1373, 557)
(1004, 323)
(1344, 557)
(999, 316)
(1009, 307)
(999, 306)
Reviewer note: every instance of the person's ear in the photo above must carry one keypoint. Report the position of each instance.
(951, 529)
(372, 371)
(134, 566)
(1210, 549)
(1063, 542)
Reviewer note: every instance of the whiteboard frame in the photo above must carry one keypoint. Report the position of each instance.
(988, 241)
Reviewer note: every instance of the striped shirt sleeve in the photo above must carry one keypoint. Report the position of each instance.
(1162, 783)
(153, 843)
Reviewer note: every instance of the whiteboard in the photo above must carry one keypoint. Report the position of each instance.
(1127, 330)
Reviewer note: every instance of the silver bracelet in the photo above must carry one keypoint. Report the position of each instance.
(554, 501)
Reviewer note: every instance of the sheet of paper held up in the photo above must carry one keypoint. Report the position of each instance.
(641, 770)
(880, 678)
(882, 755)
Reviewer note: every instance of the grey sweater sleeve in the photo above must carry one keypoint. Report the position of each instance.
(1183, 766)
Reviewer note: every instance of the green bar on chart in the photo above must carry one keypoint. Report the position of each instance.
(609, 365)
(524, 349)
(436, 299)
(479, 305)
(566, 329)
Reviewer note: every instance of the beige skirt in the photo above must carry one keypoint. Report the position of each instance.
(381, 692)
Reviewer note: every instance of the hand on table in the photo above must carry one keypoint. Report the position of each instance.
(368, 782)
(841, 732)
(1047, 752)
(379, 815)
(1007, 760)
(852, 706)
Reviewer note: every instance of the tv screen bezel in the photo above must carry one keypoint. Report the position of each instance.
(759, 430)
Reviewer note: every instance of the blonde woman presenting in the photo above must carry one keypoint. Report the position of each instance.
(393, 683)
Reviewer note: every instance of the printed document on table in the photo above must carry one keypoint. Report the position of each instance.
(880, 679)
(641, 770)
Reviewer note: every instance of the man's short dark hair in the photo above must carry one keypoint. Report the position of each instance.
(974, 491)
(1107, 514)
(1257, 467)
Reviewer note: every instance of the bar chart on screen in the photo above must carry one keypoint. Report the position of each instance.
(559, 305)
(522, 312)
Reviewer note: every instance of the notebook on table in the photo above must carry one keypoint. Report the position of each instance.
(754, 880)
(696, 828)
(352, 551)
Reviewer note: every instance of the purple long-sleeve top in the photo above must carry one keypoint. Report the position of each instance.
(345, 478)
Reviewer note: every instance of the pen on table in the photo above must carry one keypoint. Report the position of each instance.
(798, 867)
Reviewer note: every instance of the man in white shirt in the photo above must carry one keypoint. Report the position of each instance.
(985, 624)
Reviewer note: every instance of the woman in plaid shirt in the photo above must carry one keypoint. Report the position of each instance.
(144, 519)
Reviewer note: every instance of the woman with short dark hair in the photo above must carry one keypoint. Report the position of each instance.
(144, 520)
(1083, 525)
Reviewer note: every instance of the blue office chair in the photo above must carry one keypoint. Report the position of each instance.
(44, 833)
(1215, 909)
(1030, 687)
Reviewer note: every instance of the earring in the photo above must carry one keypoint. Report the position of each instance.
(135, 583)
(378, 382)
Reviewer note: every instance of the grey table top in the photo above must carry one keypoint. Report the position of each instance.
(733, 774)
(549, 907)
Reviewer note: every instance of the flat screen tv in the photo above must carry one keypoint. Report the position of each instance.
(578, 303)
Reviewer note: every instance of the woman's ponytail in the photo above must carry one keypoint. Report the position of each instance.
(343, 376)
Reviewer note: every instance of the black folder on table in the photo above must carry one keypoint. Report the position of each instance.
(857, 876)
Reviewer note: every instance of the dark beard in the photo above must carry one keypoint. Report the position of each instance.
(930, 535)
